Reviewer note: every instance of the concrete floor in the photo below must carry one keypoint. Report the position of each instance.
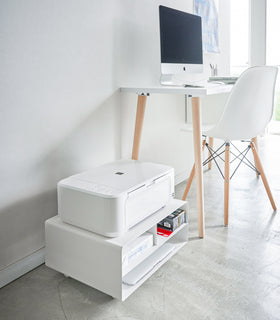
(234, 273)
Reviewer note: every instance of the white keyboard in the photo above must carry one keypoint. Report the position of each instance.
(224, 80)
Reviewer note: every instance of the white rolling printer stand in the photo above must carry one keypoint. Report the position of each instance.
(80, 249)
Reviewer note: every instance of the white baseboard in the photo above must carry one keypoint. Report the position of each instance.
(21, 267)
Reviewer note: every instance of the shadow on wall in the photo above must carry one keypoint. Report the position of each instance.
(22, 226)
(93, 142)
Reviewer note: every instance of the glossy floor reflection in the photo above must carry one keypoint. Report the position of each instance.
(234, 273)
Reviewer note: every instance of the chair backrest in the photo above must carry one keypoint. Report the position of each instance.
(249, 107)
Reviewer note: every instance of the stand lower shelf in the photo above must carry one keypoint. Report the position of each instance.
(97, 261)
(134, 279)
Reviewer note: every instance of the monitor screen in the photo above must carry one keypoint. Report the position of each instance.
(180, 37)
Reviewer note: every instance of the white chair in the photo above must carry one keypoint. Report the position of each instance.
(247, 112)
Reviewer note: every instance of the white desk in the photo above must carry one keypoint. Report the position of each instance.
(195, 94)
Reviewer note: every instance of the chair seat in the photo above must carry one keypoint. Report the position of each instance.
(215, 132)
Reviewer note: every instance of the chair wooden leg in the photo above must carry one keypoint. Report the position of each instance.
(190, 179)
(260, 168)
(255, 142)
(211, 142)
(226, 184)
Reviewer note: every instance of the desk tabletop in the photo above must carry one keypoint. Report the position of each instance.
(208, 89)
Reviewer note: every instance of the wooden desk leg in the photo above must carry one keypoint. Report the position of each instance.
(141, 105)
(198, 163)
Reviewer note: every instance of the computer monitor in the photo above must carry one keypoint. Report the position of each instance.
(180, 43)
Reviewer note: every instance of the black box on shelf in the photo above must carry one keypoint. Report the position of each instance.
(174, 220)
(182, 216)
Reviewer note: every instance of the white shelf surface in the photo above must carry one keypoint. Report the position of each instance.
(127, 290)
(160, 241)
(209, 88)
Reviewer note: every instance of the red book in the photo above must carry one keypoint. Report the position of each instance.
(163, 232)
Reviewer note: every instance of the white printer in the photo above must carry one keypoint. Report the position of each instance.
(111, 199)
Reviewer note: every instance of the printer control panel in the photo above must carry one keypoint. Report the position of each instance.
(89, 186)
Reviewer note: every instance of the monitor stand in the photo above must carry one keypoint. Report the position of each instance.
(169, 80)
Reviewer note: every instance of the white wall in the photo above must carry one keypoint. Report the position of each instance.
(61, 64)
(257, 32)
(59, 108)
